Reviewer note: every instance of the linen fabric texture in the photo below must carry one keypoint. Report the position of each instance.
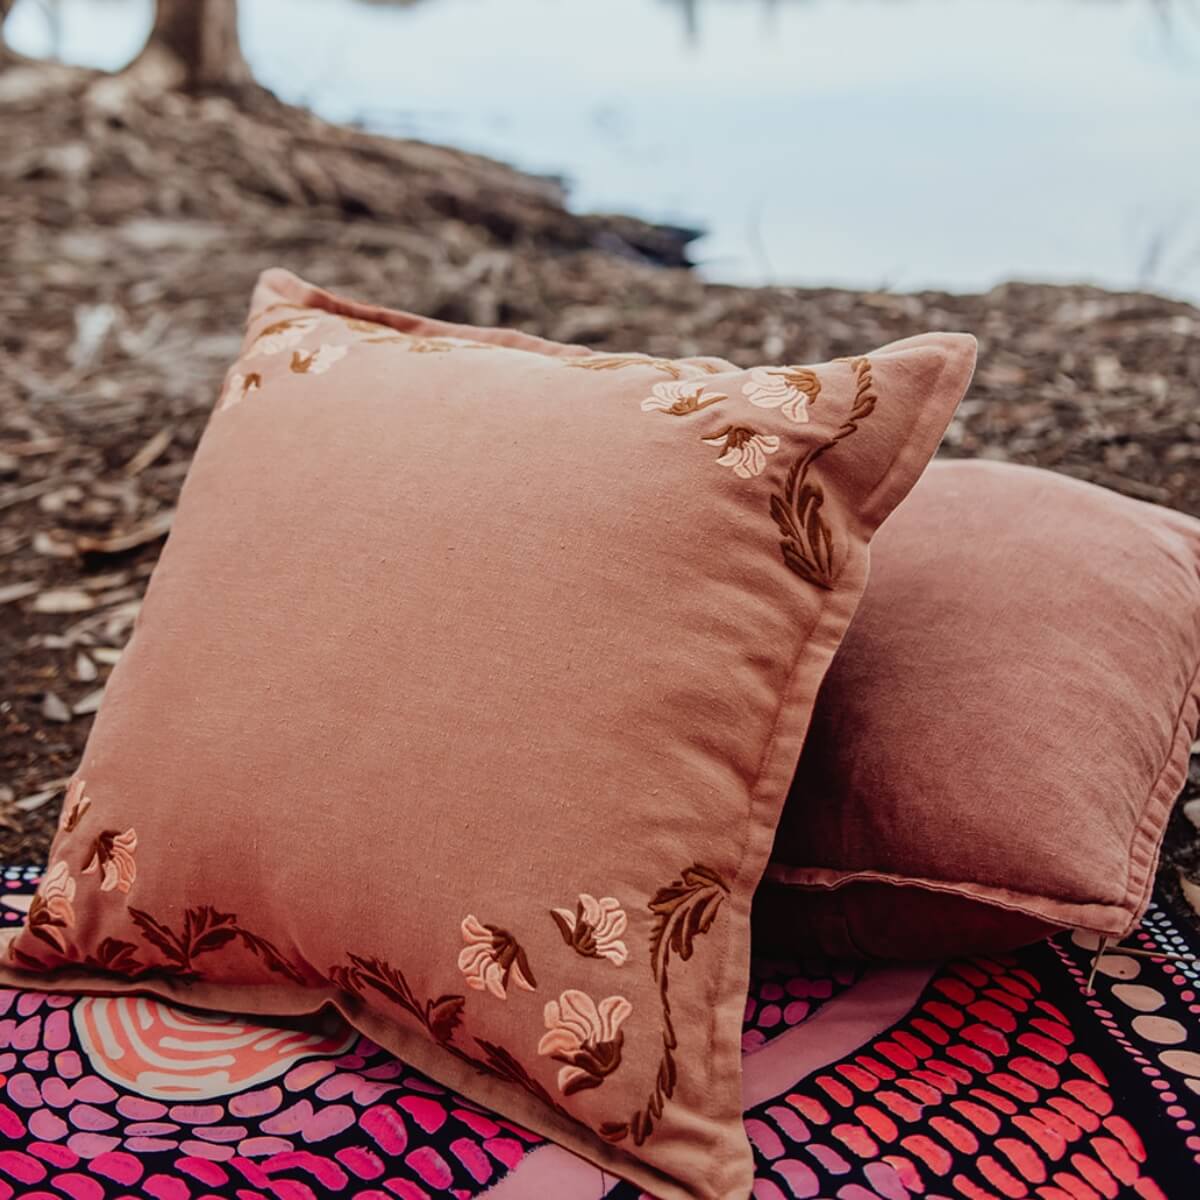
(523, 641)
(996, 749)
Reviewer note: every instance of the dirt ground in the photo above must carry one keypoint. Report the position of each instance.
(132, 229)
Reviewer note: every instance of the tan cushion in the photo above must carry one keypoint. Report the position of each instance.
(518, 642)
(996, 748)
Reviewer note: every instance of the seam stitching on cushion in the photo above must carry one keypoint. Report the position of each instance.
(755, 796)
(1137, 886)
(943, 887)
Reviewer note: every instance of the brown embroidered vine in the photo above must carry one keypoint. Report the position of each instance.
(439, 1017)
(683, 910)
(205, 930)
(807, 542)
(499, 1062)
(618, 362)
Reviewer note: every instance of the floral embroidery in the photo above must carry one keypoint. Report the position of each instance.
(205, 930)
(585, 1036)
(790, 389)
(75, 806)
(240, 386)
(683, 910)
(440, 1017)
(807, 539)
(318, 361)
(594, 929)
(679, 397)
(745, 451)
(53, 910)
(282, 335)
(112, 856)
(491, 957)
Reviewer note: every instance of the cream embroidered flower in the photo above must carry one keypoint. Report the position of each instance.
(53, 909)
(679, 397)
(112, 856)
(282, 335)
(239, 387)
(318, 361)
(594, 929)
(585, 1036)
(75, 805)
(745, 451)
(491, 957)
(791, 389)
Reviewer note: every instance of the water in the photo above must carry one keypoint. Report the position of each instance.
(866, 143)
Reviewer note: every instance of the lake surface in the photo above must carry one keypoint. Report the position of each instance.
(867, 143)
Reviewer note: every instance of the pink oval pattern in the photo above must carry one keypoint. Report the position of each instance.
(1004, 1079)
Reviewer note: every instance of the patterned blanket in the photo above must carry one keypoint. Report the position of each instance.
(979, 1079)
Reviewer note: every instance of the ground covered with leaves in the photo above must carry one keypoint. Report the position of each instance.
(132, 228)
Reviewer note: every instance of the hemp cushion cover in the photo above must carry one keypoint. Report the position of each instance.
(996, 749)
(529, 636)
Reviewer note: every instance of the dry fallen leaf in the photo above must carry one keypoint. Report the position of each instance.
(90, 703)
(17, 591)
(139, 535)
(149, 452)
(51, 547)
(63, 600)
(53, 708)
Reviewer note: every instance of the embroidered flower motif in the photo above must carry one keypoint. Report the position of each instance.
(594, 929)
(75, 806)
(112, 856)
(586, 1036)
(791, 389)
(679, 397)
(745, 451)
(239, 387)
(282, 335)
(491, 957)
(318, 361)
(53, 910)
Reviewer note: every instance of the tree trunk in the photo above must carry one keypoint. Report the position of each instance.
(194, 46)
(5, 52)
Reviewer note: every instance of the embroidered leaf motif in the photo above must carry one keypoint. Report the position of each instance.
(116, 957)
(499, 1062)
(28, 961)
(160, 937)
(617, 362)
(316, 362)
(272, 959)
(440, 1016)
(205, 930)
(683, 910)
